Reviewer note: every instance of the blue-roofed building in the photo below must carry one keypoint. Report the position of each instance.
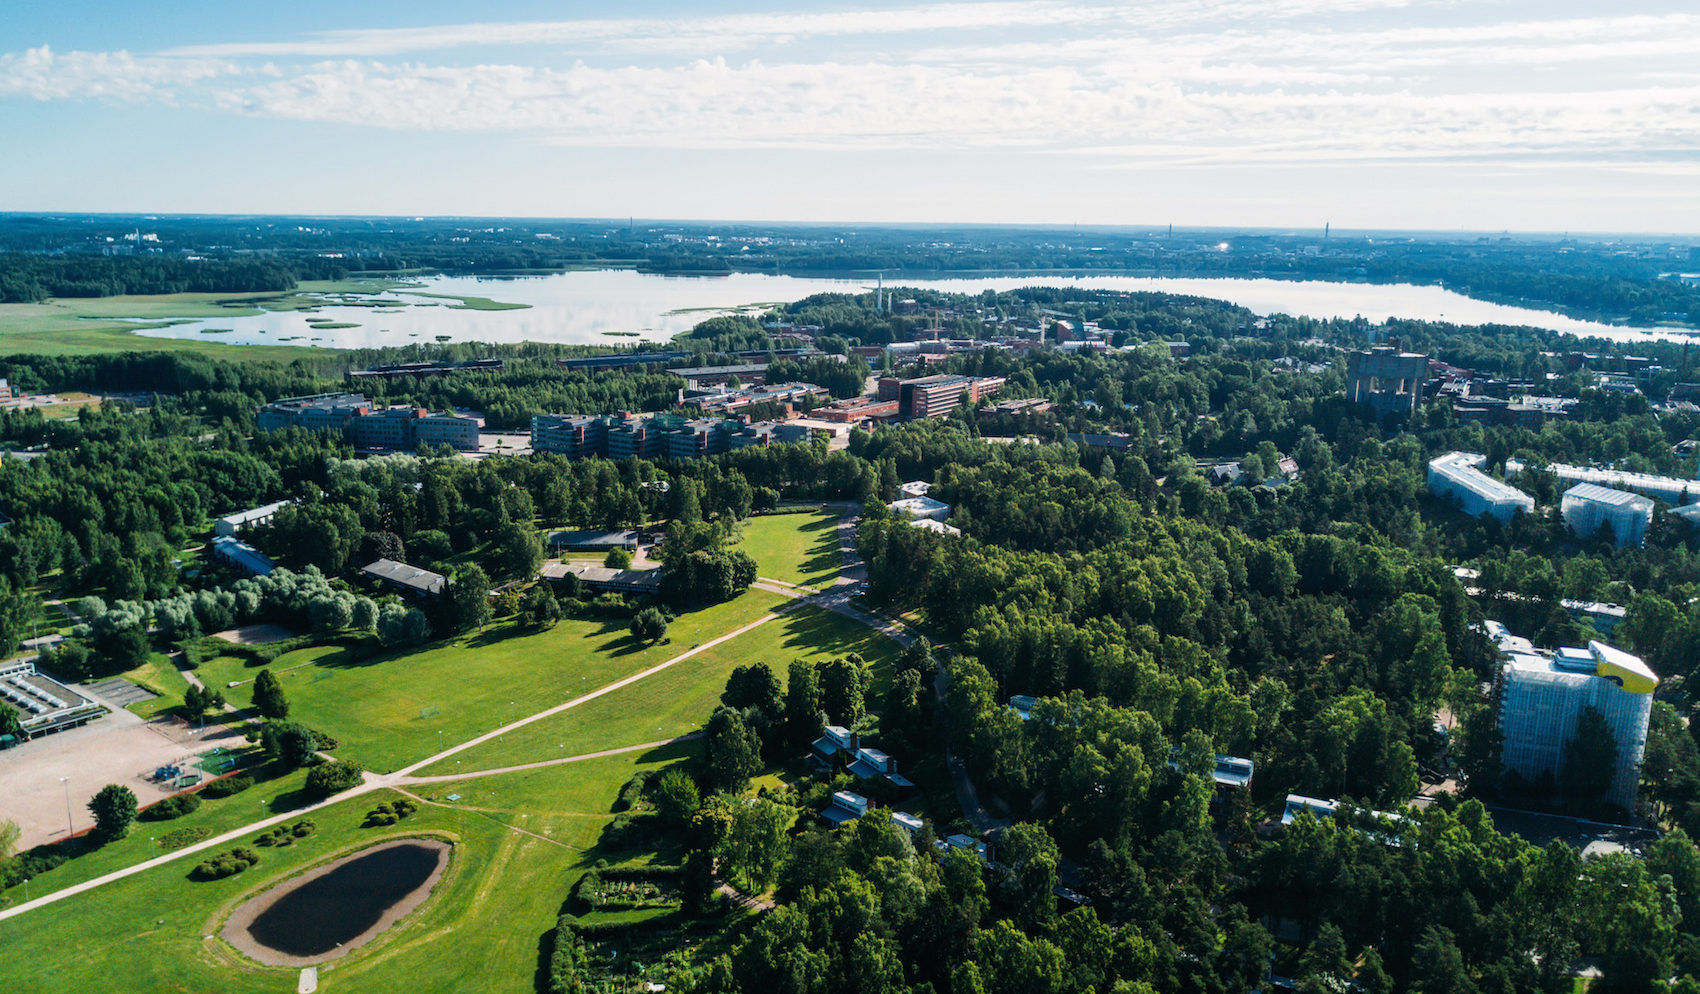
(242, 556)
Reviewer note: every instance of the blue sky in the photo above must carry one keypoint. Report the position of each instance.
(1473, 114)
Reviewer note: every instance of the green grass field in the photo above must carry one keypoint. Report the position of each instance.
(392, 708)
(87, 325)
(679, 699)
(160, 676)
(796, 548)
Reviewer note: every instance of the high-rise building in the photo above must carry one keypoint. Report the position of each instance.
(1388, 380)
(1542, 696)
(1586, 507)
(1458, 476)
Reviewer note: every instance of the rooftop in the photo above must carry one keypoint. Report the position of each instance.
(1605, 495)
(422, 580)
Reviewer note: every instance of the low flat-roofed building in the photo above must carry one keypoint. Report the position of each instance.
(241, 555)
(231, 524)
(405, 578)
(915, 488)
(1588, 506)
(624, 581)
(936, 527)
(921, 507)
(593, 540)
(846, 806)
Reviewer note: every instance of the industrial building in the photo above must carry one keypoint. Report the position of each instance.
(1386, 379)
(1541, 696)
(367, 427)
(1587, 507)
(1458, 476)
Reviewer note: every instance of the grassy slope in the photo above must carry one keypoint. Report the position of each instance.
(377, 706)
(796, 548)
(159, 675)
(678, 700)
(501, 894)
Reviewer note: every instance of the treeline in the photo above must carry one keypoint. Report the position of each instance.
(31, 278)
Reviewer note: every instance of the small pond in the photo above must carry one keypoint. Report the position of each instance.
(339, 906)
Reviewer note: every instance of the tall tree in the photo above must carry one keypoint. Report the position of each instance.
(732, 750)
(268, 696)
(1590, 758)
(114, 809)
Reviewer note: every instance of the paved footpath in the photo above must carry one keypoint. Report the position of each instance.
(381, 781)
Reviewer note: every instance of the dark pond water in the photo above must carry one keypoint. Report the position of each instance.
(343, 903)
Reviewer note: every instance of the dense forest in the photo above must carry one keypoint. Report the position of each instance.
(96, 255)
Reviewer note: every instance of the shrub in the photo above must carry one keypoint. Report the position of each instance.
(172, 807)
(285, 835)
(114, 808)
(389, 812)
(226, 864)
(227, 786)
(177, 838)
(23, 867)
(328, 778)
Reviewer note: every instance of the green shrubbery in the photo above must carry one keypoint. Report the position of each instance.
(227, 786)
(389, 812)
(172, 807)
(285, 835)
(177, 838)
(226, 864)
(328, 778)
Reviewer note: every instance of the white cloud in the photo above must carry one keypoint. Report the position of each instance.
(1176, 82)
(41, 74)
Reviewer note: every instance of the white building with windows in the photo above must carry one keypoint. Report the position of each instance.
(1457, 476)
(1542, 695)
(1587, 506)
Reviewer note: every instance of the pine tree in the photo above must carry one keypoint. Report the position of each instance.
(268, 696)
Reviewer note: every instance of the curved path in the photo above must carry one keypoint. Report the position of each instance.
(400, 777)
(835, 598)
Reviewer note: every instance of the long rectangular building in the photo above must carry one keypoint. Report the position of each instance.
(655, 436)
(1458, 476)
(935, 396)
(1672, 490)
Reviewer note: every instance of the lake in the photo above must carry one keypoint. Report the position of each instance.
(604, 307)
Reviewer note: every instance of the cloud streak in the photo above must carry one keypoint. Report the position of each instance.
(1161, 83)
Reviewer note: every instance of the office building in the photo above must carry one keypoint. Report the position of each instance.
(1541, 697)
(1386, 379)
(5, 390)
(935, 396)
(366, 427)
(1588, 506)
(576, 436)
(1457, 476)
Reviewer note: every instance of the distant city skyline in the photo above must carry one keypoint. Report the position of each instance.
(1370, 114)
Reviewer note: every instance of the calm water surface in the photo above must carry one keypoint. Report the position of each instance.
(318, 916)
(585, 307)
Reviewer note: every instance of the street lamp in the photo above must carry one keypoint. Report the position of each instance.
(67, 782)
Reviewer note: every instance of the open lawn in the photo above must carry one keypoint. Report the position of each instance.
(796, 548)
(500, 896)
(159, 675)
(678, 700)
(391, 708)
